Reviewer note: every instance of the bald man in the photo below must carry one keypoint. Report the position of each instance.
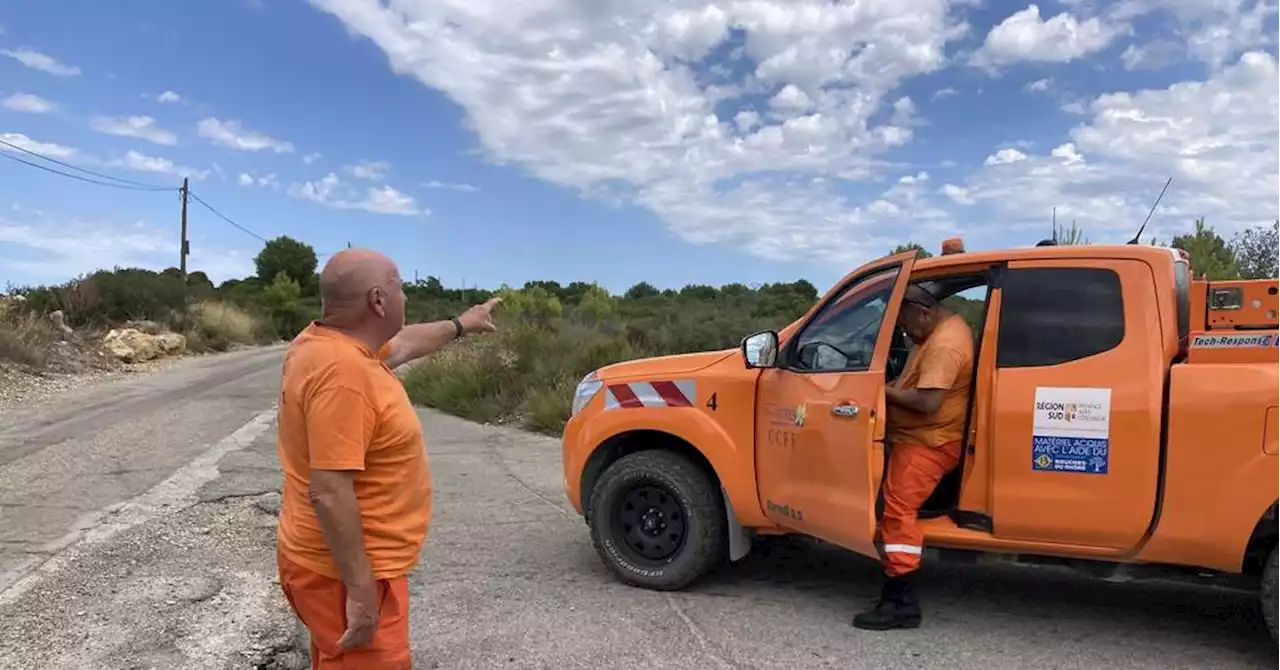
(926, 407)
(357, 485)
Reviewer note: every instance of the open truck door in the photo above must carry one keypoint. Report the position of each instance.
(820, 408)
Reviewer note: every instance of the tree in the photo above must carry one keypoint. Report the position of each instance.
(699, 293)
(1256, 252)
(1211, 257)
(594, 304)
(1069, 236)
(577, 291)
(199, 284)
(285, 255)
(282, 299)
(642, 290)
(924, 253)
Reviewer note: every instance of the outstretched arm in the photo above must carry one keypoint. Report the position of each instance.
(423, 339)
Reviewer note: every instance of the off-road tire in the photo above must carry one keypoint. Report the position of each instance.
(705, 538)
(1268, 594)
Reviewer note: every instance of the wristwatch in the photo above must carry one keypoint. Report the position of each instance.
(457, 326)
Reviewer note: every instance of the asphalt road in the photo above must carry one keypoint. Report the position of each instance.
(137, 531)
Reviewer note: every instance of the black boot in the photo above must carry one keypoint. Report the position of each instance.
(898, 607)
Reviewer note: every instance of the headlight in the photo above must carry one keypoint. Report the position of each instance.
(587, 389)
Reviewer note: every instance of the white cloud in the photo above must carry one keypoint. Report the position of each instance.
(1152, 56)
(777, 143)
(311, 158)
(957, 194)
(64, 249)
(368, 170)
(1024, 36)
(45, 148)
(1005, 156)
(451, 186)
(332, 192)
(38, 61)
(1217, 138)
(263, 181)
(140, 162)
(1039, 85)
(140, 127)
(28, 103)
(57, 249)
(604, 100)
(232, 135)
(169, 97)
(946, 92)
(1215, 32)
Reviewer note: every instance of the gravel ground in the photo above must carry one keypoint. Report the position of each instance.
(20, 387)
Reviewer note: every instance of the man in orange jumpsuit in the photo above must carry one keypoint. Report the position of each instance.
(357, 485)
(926, 406)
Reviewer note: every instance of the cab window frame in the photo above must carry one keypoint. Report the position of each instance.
(789, 361)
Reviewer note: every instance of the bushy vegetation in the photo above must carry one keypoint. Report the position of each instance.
(239, 312)
(550, 334)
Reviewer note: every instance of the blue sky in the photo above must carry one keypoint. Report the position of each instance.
(672, 142)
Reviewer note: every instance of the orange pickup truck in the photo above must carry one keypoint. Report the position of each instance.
(1124, 415)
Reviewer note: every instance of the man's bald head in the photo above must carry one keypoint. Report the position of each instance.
(360, 289)
(351, 273)
(920, 313)
(917, 295)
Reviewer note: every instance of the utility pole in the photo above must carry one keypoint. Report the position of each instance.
(186, 248)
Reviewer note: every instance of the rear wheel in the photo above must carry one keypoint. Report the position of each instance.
(1268, 598)
(657, 520)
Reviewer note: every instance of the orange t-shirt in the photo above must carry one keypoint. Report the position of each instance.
(342, 408)
(943, 361)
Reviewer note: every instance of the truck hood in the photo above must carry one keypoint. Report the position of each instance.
(665, 366)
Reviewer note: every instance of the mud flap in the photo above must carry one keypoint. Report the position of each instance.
(739, 538)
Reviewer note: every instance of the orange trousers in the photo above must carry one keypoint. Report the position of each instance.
(913, 473)
(320, 602)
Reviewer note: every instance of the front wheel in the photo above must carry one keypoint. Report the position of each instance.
(1269, 577)
(658, 521)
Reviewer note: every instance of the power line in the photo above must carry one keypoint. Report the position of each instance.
(84, 179)
(127, 184)
(224, 217)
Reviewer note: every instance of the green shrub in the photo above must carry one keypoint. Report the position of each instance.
(109, 297)
(282, 300)
(526, 372)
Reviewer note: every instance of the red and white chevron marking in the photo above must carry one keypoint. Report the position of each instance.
(662, 393)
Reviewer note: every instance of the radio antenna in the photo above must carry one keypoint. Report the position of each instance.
(1138, 236)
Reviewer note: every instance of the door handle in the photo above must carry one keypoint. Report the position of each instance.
(846, 410)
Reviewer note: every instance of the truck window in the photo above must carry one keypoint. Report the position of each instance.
(842, 336)
(1055, 315)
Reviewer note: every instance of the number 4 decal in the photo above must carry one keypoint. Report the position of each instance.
(711, 402)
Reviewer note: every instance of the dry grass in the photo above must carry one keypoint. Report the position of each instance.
(24, 338)
(218, 325)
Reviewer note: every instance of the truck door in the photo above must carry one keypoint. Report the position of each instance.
(819, 426)
(1078, 398)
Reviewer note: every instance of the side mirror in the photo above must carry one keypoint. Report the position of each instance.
(760, 350)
